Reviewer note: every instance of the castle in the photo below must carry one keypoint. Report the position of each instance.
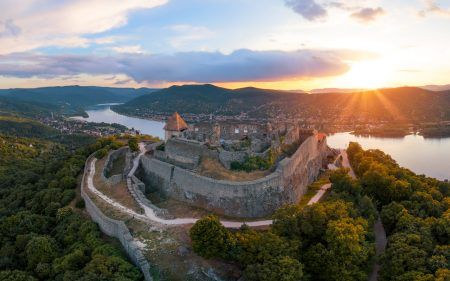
(298, 154)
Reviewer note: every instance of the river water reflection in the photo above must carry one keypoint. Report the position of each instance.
(423, 156)
(103, 113)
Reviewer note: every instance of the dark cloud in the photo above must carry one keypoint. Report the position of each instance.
(368, 14)
(309, 9)
(202, 67)
(8, 28)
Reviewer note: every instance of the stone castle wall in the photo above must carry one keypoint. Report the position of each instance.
(226, 157)
(184, 153)
(115, 228)
(112, 156)
(256, 198)
(303, 167)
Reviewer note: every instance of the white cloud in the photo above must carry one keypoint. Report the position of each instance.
(185, 34)
(131, 49)
(41, 21)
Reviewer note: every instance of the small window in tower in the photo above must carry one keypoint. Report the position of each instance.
(236, 131)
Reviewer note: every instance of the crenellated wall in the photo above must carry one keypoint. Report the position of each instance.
(257, 198)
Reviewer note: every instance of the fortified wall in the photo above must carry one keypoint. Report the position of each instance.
(184, 153)
(113, 156)
(257, 198)
(115, 228)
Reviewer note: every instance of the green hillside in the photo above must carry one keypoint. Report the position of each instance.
(406, 103)
(71, 100)
(44, 231)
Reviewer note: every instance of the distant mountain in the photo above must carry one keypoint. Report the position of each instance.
(436, 88)
(335, 90)
(204, 99)
(72, 99)
(406, 103)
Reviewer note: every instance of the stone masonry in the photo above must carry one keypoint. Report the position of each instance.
(257, 198)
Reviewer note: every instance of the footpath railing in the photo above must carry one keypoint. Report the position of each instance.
(114, 228)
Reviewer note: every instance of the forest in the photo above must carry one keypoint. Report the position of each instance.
(334, 239)
(45, 233)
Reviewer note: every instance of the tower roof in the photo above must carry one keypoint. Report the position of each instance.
(175, 123)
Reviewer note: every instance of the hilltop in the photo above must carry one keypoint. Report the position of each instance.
(399, 104)
(69, 100)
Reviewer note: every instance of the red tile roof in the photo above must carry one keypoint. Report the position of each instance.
(175, 123)
(321, 136)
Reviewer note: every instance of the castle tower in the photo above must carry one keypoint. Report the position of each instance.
(215, 135)
(175, 125)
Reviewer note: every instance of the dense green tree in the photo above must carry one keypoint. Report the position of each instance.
(210, 238)
(41, 249)
(41, 238)
(342, 182)
(133, 144)
(277, 268)
(254, 247)
(15, 275)
(414, 211)
(111, 268)
(101, 153)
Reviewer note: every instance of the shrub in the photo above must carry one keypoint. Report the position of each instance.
(80, 204)
(210, 238)
(101, 153)
(133, 144)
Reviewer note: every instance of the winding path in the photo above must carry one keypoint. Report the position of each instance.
(150, 215)
(378, 228)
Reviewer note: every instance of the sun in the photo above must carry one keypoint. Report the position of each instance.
(366, 75)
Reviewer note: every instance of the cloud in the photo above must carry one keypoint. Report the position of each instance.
(432, 7)
(309, 9)
(185, 34)
(367, 15)
(132, 49)
(8, 28)
(36, 23)
(201, 67)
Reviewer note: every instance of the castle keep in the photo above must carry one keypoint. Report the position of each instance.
(298, 154)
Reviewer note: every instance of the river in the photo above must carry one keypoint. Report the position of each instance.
(423, 156)
(103, 113)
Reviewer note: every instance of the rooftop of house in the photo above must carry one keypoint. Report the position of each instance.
(175, 123)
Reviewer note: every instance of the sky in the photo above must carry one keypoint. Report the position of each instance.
(280, 44)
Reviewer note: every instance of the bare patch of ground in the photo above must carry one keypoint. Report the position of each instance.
(118, 192)
(212, 168)
(170, 253)
(182, 210)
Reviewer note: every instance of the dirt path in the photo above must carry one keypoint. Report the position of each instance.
(378, 228)
(149, 213)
